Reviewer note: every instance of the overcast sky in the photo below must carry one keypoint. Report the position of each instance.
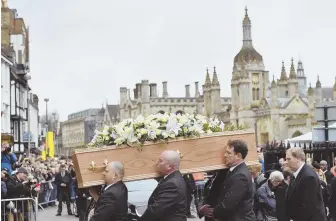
(83, 51)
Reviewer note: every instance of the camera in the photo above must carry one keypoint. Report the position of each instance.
(8, 149)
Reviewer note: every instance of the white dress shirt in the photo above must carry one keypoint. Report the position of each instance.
(296, 173)
(232, 168)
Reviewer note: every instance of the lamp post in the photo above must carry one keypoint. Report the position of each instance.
(27, 78)
(255, 124)
(54, 128)
(46, 143)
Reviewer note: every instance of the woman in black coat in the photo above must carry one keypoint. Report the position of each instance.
(280, 199)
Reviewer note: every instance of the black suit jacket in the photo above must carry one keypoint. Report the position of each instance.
(329, 176)
(235, 198)
(67, 180)
(112, 204)
(304, 200)
(332, 201)
(211, 189)
(168, 201)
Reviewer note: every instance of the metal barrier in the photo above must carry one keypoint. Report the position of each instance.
(48, 195)
(18, 209)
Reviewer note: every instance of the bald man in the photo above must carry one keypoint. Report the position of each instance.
(112, 203)
(168, 201)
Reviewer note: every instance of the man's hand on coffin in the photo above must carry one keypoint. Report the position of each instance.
(206, 210)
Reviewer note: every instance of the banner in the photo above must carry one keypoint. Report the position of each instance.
(43, 155)
(50, 142)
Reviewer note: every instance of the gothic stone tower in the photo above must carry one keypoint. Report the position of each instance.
(250, 80)
(211, 94)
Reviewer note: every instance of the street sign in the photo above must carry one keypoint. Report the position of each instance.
(318, 134)
(26, 136)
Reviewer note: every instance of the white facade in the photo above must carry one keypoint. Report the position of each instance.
(34, 125)
(73, 133)
(147, 101)
(5, 95)
(18, 42)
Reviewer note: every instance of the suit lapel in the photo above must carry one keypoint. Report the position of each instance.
(292, 187)
(163, 180)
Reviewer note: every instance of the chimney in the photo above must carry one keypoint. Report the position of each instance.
(135, 93)
(197, 93)
(187, 90)
(35, 100)
(128, 93)
(123, 95)
(138, 87)
(165, 90)
(153, 90)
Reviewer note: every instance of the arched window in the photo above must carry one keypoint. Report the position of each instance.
(161, 112)
(179, 112)
(296, 134)
(258, 94)
(254, 94)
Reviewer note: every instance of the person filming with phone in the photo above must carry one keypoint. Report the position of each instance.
(8, 159)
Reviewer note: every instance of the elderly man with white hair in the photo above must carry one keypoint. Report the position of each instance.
(112, 203)
(327, 174)
(168, 200)
(271, 198)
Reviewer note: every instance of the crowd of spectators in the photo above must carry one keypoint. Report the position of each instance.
(48, 181)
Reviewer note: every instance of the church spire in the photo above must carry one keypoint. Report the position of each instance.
(207, 78)
(274, 83)
(300, 70)
(292, 74)
(247, 37)
(310, 90)
(283, 72)
(318, 82)
(215, 78)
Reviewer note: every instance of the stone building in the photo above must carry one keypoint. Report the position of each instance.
(146, 99)
(80, 128)
(278, 110)
(111, 115)
(275, 108)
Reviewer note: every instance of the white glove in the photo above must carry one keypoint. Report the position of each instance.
(10, 205)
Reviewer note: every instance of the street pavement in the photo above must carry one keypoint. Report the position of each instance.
(49, 213)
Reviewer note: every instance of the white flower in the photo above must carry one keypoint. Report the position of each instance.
(166, 125)
(151, 135)
(183, 119)
(214, 122)
(165, 134)
(152, 125)
(129, 135)
(140, 119)
(106, 130)
(222, 126)
(119, 140)
(173, 127)
(198, 128)
(209, 132)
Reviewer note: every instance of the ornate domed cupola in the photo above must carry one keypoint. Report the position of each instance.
(247, 54)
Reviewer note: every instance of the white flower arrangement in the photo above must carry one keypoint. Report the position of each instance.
(157, 128)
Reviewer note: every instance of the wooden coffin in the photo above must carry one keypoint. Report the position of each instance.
(200, 154)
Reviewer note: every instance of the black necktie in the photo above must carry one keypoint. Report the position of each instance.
(229, 173)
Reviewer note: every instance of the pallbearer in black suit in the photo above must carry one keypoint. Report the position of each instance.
(112, 203)
(168, 201)
(235, 198)
(304, 200)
